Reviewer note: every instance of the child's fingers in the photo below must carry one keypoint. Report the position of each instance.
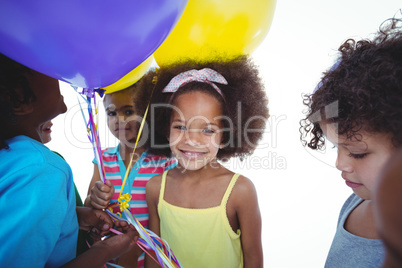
(103, 187)
(110, 184)
(96, 205)
(98, 202)
(122, 226)
(101, 194)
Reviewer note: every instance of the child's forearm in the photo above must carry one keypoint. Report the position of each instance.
(150, 263)
(95, 257)
(253, 263)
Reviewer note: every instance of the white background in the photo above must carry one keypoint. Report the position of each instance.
(300, 191)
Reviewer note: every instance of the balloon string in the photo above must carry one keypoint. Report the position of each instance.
(97, 140)
(132, 155)
(142, 246)
(97, 145)
(148, 241)
(91, 127)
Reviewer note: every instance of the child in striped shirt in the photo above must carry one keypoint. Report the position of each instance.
(124, 110)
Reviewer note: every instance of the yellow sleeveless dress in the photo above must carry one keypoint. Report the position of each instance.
(200, 237)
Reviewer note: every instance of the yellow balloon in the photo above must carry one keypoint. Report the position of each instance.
(211, 29)
(131, 77)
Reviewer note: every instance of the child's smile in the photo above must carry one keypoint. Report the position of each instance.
(192, 154)
(195, 132)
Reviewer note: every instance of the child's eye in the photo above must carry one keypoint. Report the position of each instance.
(111, 114)
(208, 131)
(129, 112)
(357, 156)
(179, 127)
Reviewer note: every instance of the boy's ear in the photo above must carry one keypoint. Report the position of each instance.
(23, 108)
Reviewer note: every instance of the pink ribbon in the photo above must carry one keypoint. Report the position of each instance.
(205, 75)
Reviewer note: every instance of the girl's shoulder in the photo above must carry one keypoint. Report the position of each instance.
(361, 222)
(153, 187)
(243, 198)
(244, 185)
(155, 181)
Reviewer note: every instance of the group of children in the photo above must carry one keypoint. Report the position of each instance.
(199, 114)
(190, 127)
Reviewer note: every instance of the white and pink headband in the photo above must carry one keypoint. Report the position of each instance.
(205, 75)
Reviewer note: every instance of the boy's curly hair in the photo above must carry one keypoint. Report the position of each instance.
(244, 104)
(365, 88)
(14, 91)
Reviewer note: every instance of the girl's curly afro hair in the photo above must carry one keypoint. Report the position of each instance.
(244, 104)
(364, 90)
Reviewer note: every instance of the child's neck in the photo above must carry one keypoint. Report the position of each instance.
(126, 153)
(11, 131)
(209, 170)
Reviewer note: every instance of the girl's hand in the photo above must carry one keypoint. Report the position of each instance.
(100, 194)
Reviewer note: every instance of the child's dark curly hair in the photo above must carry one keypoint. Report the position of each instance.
(364, 87)
(14, 91)
(245, 104)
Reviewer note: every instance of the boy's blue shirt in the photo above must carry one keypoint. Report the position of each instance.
(39, 224)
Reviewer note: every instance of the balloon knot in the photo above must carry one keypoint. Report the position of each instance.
(90, 92)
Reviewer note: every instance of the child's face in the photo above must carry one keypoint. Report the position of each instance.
(120, 114)
(49, 102)
(195, 129)
(360, 161)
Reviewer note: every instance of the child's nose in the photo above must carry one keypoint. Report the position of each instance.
(193, 137)
(120, 118)
(343, 163)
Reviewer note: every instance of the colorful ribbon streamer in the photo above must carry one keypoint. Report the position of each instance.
(88, 95)
(149, 242)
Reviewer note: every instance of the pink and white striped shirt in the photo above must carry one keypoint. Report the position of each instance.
(146, 167)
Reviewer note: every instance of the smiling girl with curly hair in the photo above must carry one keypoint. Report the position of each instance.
(202, 113)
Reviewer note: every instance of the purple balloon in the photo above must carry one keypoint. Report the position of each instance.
(87, 43)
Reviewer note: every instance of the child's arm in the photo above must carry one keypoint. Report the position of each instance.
(245, 201)
(152, 195)
(100, 221)
(99, 193)
(107, 249)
